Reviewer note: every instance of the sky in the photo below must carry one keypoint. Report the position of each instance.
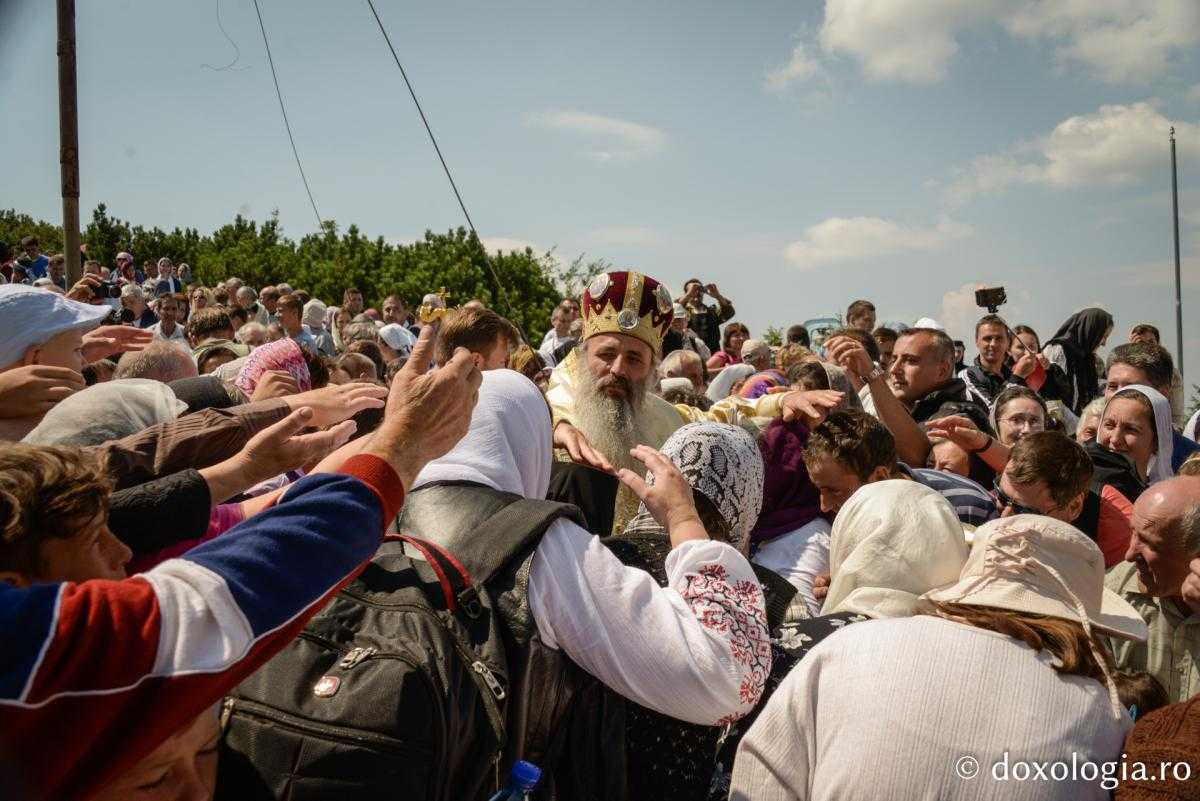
(800, 155)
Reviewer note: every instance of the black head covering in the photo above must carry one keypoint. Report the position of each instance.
(1084, 330)
(203, 392)
(1079, 337)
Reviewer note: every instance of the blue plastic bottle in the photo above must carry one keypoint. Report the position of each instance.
(521, 781)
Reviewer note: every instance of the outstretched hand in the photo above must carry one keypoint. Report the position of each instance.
(102, 342)
(959, 430)
(572, 440)
(668, 497)
(281, 447)
(810, 407)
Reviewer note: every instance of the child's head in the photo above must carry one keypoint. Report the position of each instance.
(1140, 692)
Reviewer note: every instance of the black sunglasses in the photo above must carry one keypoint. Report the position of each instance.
(1005, 502)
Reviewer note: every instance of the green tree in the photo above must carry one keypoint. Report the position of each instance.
(773, 336)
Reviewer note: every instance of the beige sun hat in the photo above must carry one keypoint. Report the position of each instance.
(1043, 566)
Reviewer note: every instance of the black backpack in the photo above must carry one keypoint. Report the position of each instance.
(398, 689)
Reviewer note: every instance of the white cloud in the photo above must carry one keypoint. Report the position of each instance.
(631, 138)
(623, 235)
(1119, 41)
(840, 239)
(1115, 145)
(800, 67)
(1115, 41)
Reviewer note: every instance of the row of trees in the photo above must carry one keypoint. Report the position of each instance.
(521, 285)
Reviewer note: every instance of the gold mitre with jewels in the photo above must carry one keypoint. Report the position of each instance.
(627, 302)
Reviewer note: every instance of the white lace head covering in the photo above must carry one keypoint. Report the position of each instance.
(722, 463)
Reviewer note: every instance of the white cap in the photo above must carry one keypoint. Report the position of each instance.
(33, 316)
(929, 322)
(397, 337)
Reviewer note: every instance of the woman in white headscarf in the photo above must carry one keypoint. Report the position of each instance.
(1136, 422)
(687, 650)
(892, 542)
(721, 387)
(107, 411)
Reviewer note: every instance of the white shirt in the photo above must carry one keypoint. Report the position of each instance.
(177, 333)
(646, 642)
(889, 708)
(799, 557)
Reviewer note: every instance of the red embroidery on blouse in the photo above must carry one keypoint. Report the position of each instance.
(738, 611)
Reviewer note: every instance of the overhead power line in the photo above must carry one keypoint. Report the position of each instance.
(286, 124)
(433, 139)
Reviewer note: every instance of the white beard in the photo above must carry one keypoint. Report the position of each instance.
(611, 425)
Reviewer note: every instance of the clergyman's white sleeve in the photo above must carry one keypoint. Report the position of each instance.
(697, 650)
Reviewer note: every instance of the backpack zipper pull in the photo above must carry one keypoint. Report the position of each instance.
(354, 656)
(226, 712)
(489, 678)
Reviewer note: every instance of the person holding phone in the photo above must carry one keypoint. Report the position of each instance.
(706, 320)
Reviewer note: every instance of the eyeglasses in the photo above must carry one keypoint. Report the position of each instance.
(1031, 420)
(1005, 502)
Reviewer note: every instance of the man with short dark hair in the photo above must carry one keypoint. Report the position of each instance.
(488, 336)
(37, 263)
(706, 320)
(1144, 332)
(1166, 537)
(1049, 473)
(852, 448)
(991, 373)
(960, 355)
(797, 335)
(861, 315)
(1150, 364)
(394, 311)
(168, 326)
(269, 297)
(211, 334)
(920, 386)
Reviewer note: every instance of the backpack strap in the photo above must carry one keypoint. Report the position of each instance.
(452, 576)
(504, 535)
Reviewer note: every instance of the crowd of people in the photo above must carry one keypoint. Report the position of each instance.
(650, 552)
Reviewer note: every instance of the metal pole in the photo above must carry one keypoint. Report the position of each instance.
(68, 138)
(1178, 284)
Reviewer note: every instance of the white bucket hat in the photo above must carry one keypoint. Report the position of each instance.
(1043, 566)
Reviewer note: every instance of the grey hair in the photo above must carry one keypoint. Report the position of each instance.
(133, 291)
(434, 301)
(159, 361)
(1189, 529)
(245, 290)
(674, 362)
(240, 336)
(284, 289)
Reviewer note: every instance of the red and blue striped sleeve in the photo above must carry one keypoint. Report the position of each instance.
(122, 665)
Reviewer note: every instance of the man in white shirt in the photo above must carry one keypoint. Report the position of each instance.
(560, 320)
(168, 326)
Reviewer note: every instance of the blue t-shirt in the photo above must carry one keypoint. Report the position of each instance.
(39, 266)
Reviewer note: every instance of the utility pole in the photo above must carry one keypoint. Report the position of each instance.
(68, 138)
(1178, 284)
